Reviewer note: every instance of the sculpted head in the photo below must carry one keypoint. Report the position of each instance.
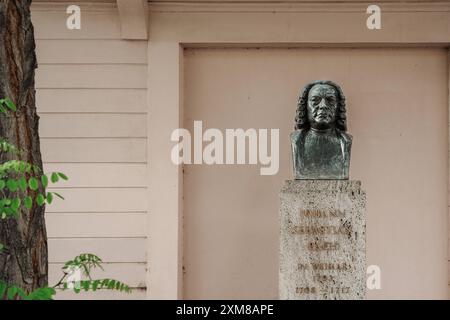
(321, 106)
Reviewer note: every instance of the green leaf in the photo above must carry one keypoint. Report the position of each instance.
(22, 294)
(12, 291)
(42, 294)
(85, 285)
(8, 211)
(54, 177)
(49, 197)
(95, 285)
(10, 104)
(15, 204)
(68, 264)
(40, 199)
(62, 176)
(44, 180)
(22, 167)
(58, 195)
(33, 183)
(2, 184)
(28, 202)
(111, 284)
(12, 185)
(3, 287)
(23, 183)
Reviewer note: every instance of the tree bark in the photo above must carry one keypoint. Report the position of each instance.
(24, 262)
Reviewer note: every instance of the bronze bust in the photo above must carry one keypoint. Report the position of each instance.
(320, 144)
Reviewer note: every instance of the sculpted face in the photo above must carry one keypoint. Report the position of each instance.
(322, 106)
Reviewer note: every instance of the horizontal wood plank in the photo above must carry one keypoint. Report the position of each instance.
(108, 249)
(132, 274)
(94, 150)
(100, 200)
(114, 76)
(136, 294)
(95, 225)
(93, 125)
(94, 25)
(91, 51)
(91, 100)
(100, 174)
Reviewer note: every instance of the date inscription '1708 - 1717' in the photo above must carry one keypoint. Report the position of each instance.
(322, 233)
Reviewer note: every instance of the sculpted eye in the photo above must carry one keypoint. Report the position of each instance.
(331, 100)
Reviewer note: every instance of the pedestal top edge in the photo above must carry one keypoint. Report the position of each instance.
(317, 185)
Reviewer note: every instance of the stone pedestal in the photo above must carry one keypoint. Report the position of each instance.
(322, 240)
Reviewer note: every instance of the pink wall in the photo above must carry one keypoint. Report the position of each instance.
(397, 109)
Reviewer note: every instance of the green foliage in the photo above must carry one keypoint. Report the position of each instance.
(22, 184)
(45, 293)
(19, 185)
(99, 284)
(17, 167)
(6, 104)
(6, 147)
(86, 262)
(15, 293)
(58, 195)
(18, 190)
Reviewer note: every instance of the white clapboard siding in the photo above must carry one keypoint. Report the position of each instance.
(94, 224)
(91, 51)
(95, 24)
(100, 174)
(61, 250)
(114, 76)
(91, 100)
(94, 150)
(136, 294)
(132, 274)
(93, 125)
(99, 200)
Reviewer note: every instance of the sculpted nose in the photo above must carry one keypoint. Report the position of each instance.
(322, 104)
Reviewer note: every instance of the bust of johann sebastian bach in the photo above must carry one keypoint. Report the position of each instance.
(320, 144)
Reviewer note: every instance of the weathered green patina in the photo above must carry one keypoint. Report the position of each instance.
(320, 144)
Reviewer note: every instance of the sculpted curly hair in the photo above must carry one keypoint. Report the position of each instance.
(301, 118)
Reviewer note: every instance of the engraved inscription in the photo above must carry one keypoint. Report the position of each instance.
(322, 240)
(323, 231)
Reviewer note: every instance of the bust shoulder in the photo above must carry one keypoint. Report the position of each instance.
(297, 134)
(348, 138)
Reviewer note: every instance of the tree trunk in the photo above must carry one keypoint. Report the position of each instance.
(24, 261)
